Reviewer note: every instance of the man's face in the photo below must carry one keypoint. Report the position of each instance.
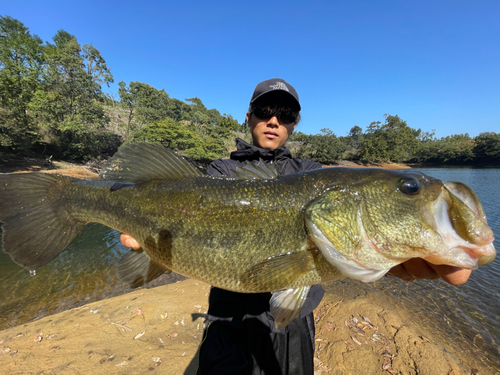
(269, 133)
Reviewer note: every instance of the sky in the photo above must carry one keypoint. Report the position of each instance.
(435, 64)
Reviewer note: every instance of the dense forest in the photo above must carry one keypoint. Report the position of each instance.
(52, 103)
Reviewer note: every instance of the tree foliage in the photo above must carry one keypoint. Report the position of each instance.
(487, 147)
(457, 148)
(181, 138)
(50, 94)
(324, 147)
(392, 141)
(21, 65)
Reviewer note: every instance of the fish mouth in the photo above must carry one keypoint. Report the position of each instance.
(461, 222)
(457, 235)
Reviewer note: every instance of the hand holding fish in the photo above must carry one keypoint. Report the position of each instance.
(417, 268)
(129, 241)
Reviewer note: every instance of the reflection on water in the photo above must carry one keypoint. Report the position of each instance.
(466, 317)
(85, 272)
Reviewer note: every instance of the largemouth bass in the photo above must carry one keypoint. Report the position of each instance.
(255, 233)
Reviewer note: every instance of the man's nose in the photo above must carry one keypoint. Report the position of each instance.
(273, 121)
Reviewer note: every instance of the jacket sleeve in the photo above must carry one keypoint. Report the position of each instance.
(218, 168)
(309, 165)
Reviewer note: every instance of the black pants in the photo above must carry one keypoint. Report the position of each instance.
(249, 348)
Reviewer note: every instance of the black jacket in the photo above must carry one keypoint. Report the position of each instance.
(247, 152)
(237, 307)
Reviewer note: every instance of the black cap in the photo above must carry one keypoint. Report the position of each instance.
(280, 88)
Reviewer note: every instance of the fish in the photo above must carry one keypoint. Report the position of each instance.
(257, 232)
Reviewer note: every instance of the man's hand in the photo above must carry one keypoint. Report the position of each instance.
(410, 270)
(129, 241)
(417, 268)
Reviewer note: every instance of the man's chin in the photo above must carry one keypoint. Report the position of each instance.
(270, 143)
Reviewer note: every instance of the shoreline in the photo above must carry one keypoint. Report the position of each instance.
(19, 164)
(160, 329)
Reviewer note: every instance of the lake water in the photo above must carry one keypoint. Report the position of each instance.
(467, 317)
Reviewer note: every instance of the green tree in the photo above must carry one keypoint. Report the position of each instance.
(355, 136)
(324, 147)
(229, 123)
(454, 149)
(487, 147)
(21, 64)
(178, 110)
(69, 104)
(392, 141)
(127, 100)
(183, 138)
(353, 141)
(145, 104)
(374, 145)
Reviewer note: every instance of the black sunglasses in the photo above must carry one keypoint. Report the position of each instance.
(283, 114)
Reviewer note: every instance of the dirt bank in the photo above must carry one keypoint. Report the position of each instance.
(160, 330)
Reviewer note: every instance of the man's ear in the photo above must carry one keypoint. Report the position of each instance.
(247, 117)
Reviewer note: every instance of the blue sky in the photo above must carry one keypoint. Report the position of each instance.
(436, 64)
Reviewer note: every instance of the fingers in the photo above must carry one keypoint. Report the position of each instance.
(412, 269)
(452, 275)
(420, 269)
(129, 241)
(400, 272)
(417, 268)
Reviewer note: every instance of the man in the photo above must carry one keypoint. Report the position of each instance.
(240, 337)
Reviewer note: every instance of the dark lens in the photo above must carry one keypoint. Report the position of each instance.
(287, 116)
(262, 112)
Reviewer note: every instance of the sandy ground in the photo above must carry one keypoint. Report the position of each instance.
(160, 330)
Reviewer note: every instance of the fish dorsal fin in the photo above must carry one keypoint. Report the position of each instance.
(141, 162)
(258, 171)
(285, 305)
(278, 272)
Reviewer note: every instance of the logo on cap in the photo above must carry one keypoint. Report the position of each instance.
(279, 86)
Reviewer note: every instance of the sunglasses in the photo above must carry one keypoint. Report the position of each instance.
(283, 114)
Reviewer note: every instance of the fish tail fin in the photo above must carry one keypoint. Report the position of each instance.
(37, 227)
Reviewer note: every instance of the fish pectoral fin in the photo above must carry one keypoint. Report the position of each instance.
(287, 304)
(278, 272)
(258, 171)
(136, 268)
(140, 162)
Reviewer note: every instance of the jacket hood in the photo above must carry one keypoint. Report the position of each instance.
(246, 151)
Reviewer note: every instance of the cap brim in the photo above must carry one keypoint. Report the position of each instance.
(280, 96)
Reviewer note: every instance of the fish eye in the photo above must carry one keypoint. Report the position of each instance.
(410, 186)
